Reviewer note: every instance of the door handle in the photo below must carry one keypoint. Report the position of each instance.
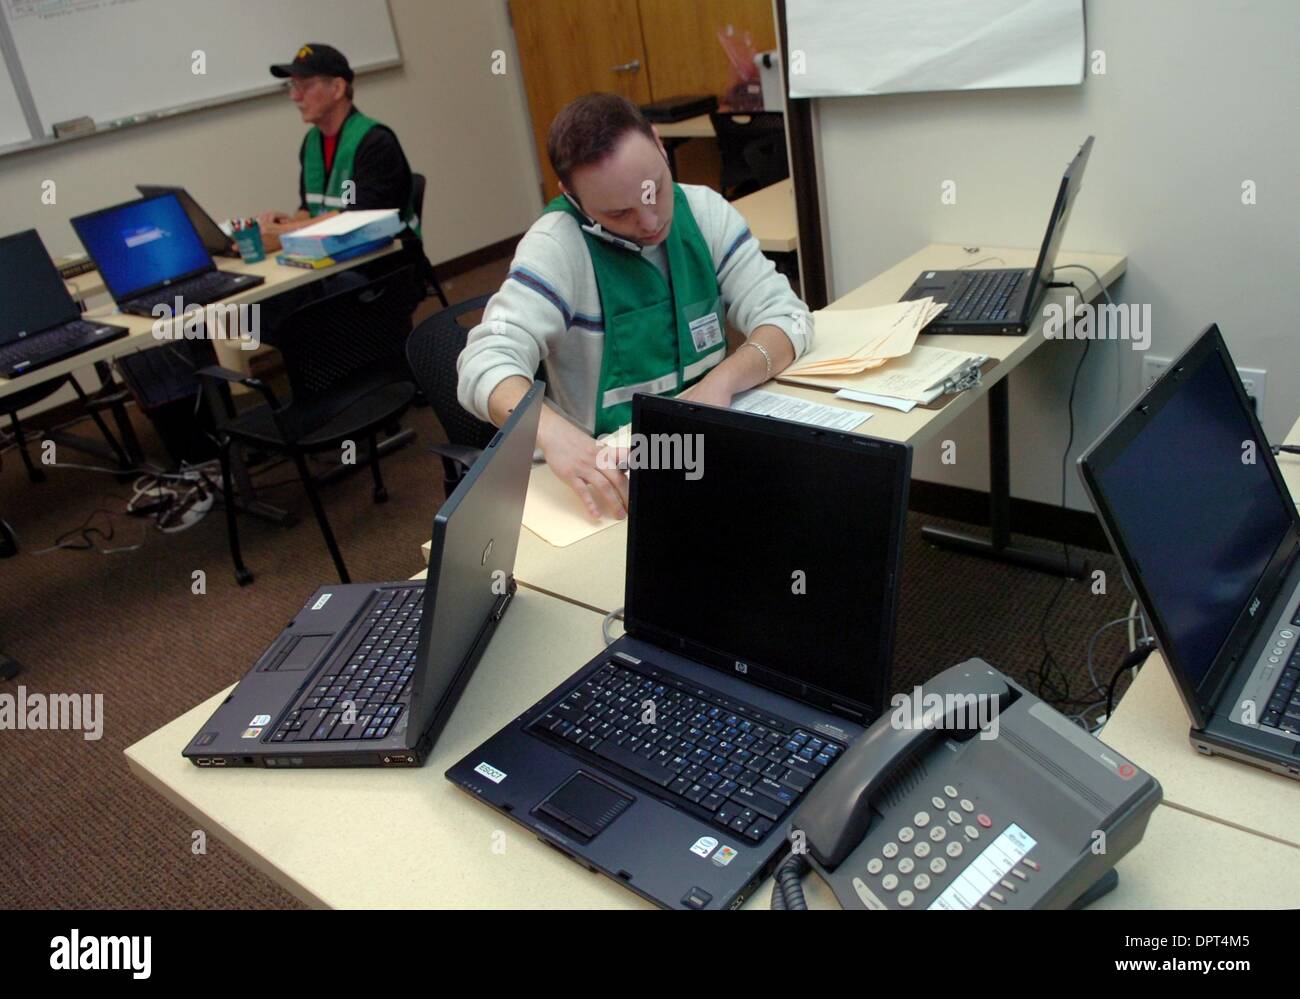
(627, 67)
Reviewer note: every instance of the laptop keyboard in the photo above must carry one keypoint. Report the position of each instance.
(198, 290)
(52, 343)
(719, 759)
(1283, 708)
(364, 697)
(985, 296)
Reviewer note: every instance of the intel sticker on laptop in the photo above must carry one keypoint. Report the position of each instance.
(490, 772)
(704, 846)
(260, 720)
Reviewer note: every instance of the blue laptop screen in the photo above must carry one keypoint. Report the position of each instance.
(1200, 519)
(142, 244)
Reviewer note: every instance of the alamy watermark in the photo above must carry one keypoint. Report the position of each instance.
(1112, 321)
(72, 712)
(952, 712)
(241, 323)
(661, 452)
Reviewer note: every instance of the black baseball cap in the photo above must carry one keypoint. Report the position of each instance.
(315, 59)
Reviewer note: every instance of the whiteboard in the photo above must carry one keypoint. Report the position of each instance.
(126, 59)
(13, 125)
(853, 47)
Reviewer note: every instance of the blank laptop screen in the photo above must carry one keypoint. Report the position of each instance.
(32, 295)
(1200, 523)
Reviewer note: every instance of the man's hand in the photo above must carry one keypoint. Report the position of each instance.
(578, 461)
(714, 389)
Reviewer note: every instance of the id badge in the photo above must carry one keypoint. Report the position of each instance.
(704, 322)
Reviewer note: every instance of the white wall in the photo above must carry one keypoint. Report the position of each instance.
(464, 128)
(1198, 96)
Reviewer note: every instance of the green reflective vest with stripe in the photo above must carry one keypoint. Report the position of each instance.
(660, 336)
(326, 193)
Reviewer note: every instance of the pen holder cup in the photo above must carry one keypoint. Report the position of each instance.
(249, 242)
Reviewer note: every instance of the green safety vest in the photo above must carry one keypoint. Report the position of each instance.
(660, 336)
(325, 194)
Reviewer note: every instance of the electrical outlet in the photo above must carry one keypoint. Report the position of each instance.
(1254, 380)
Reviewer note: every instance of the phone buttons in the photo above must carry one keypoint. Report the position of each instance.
(905, 834)
(955, 849)
(922, 882)
(938, 834)
(905, 898)
(938, 802)
(984, 820)
(905, 865)
(921, 819)
(890, 850)
(954, 817)
(889, 882)
(950, 791)
(972, 832)
(967, 805)
(938, 865)
(875, 865)
(922, 849)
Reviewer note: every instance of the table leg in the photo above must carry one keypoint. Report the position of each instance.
(999, 546)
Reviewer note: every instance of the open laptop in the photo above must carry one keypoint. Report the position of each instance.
(368, 674)
(39, 321)
(1002, 300)
(1195, 507)
(149, 256)
(760, 607)
(217, 242)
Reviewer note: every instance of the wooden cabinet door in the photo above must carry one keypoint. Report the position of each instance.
(568, 48)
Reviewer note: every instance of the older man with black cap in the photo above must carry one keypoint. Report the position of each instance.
(347, 160)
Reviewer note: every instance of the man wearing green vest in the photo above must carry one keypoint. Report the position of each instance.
(626, 284)
(347, 160)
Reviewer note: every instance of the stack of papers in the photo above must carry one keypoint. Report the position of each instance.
(919, 378)
(850, 341)
(342, 232)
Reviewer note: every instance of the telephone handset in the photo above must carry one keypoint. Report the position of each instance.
(594, 228)
(970, 793)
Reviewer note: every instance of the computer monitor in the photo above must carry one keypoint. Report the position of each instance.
(32, 295)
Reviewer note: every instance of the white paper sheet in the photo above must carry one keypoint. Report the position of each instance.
(785, 407)
(854, 47)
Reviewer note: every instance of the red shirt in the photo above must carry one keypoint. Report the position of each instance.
(331, 143)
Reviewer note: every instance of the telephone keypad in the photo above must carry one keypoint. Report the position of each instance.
(967, 805)
(950, 791)
(972, 832)
(922, 849)
(955, 817)
(890, 850)
(905, 865)
(905, 834)
(922, 882)
(954, 849)
(938, 834)
(938, 865)
(938, 803)
(889, 882)
(921, 819)
(875, 865)
(905, 898)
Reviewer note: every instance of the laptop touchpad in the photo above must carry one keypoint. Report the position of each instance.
(304, 652)
(584, 806)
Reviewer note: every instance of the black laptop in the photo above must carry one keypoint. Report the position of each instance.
(1192, 500)
(39, 322)
(150, 256)
(368, 674)
(216, 241)
(760, 604)
(1002, 300)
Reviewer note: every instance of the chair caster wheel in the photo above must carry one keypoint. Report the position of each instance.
(243, 577)
(381, 495)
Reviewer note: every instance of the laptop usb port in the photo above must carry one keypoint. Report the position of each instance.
(203, 761)
(218, 761)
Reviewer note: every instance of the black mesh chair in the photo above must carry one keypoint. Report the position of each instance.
(752, 147)
(343, 356)
(418, 184)
(431, 351)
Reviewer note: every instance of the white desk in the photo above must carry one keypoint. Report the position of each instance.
(771, 217)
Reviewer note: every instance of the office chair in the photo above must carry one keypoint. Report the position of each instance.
(343, 356)
(431, 351)
(418, 184)
(11, 404)
(752, 147)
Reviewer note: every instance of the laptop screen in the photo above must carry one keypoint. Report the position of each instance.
(1065, 198)
(779, 550)
(32, 295)
(142, 244)
(1188, 487)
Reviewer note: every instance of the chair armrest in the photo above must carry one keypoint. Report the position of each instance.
(216, 373)
(459, 453)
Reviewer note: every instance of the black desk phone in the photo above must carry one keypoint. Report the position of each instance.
(976, 795)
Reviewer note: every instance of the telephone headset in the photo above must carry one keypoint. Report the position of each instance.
(594, 228)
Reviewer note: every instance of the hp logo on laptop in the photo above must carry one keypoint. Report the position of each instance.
(742, 667)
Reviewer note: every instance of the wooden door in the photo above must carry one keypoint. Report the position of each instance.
(681, 41)
(568, 48)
